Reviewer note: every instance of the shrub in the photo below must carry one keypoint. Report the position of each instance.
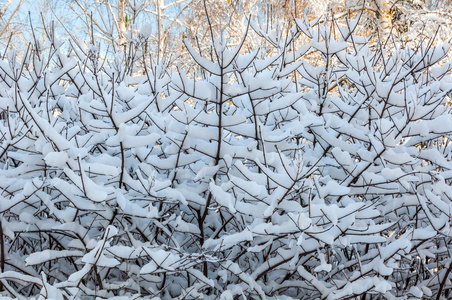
(319, 171)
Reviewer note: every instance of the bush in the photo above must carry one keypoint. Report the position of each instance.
(319, 171)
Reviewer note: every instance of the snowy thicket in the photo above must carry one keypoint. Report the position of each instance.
(321, 171)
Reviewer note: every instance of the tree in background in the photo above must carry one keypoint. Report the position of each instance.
(110, 24)
(112, 20)
(8, 11)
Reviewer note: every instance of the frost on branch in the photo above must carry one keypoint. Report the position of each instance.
(319, 171)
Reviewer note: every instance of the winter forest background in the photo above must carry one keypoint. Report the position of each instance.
(225, 149)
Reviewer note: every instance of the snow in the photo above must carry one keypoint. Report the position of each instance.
(160, 259)
(333, 188)
(130, 208)
(323, 265)
(229, 241)
(46, 255)
(56, 159)
(146, 30)
(222, 198)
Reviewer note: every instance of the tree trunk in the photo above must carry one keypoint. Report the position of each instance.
(159, 6)
(383, 15)
(122, 21)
